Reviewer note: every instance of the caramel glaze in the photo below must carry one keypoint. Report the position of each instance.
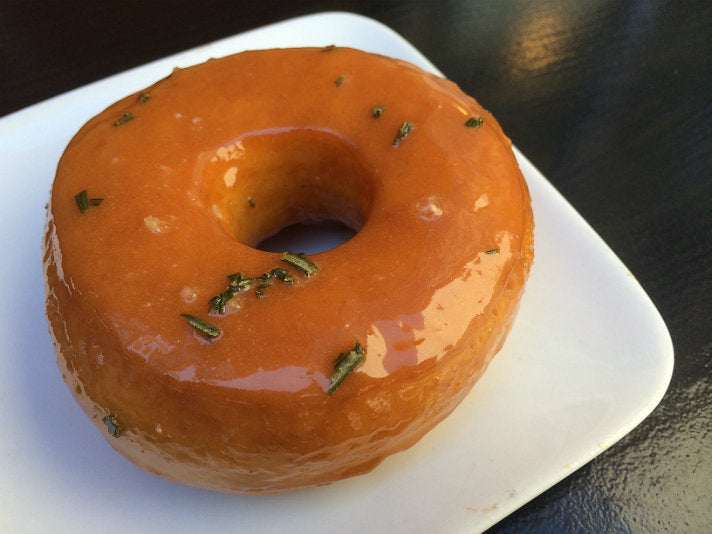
(217, 158)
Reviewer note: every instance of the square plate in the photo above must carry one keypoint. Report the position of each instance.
(588, 359)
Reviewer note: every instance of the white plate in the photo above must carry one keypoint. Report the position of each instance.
(588, 359)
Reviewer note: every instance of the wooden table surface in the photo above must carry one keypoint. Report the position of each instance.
(612, 101)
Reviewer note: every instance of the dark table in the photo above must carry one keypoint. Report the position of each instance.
(612, 101)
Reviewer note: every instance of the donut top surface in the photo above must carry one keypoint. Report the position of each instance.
(194, 172)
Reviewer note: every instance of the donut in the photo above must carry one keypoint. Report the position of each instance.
(209, 361)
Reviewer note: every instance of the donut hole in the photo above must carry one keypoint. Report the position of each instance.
(301, 190)
(309, 238)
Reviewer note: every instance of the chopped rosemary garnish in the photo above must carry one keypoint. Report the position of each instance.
(144, 97)
(240, 282)
(344, 365)
(403, 132)
(474, 122)
(283, 275)
(301, 262)
(264, 284)
(492, 251)
(259, 292)
(251, 202)
(112, 425)
(126, 117)
(329, 48)
(84, 202)
(216, 305)
(377, 111)
(339, 80)
(264, 277)
(202, 326)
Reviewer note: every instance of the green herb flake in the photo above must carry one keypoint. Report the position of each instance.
(210, 331)
(144, 97)
(126, 117)
(339, 80)
(283, 275)
(329, 48)
(403, 132)
(84, 202)
(265, 282)
(238, 282)
(377, 111)
(344, 365)
(301, 262)
(474, 122)
(112, 425)
(492, 251)
(217, 304)
(251, 202)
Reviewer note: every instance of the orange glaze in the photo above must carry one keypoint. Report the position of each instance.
(219, 157)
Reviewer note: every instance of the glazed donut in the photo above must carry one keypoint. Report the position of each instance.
(211, 362)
